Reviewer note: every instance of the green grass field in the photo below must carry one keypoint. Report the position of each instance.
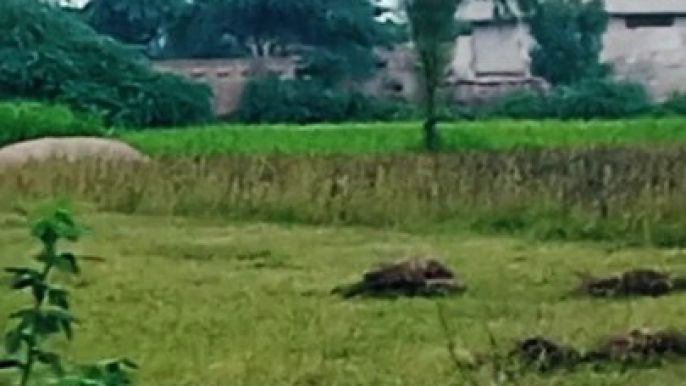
(211, 302)
(216, 304)
(401, 137)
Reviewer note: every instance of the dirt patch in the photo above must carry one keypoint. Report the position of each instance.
(636, 347)
(68, 148)
(413, 277)
(636, 282)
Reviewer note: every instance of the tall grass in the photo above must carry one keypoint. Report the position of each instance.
(401, 137)
(629, 194)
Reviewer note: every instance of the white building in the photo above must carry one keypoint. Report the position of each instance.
(645, 41)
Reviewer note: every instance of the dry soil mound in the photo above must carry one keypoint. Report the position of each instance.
(70, 149)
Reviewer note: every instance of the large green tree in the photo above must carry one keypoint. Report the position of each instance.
(334, 38)
(131, 21)
(49, 54)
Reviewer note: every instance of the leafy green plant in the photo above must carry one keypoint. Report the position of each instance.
(25, 120)
(50, 313)
(675, 104)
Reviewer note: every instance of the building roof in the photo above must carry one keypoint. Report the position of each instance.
(481, 10)
(619, 7)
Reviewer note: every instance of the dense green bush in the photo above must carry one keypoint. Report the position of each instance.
(270, 100)
(49, 54)
(24, 120)
(675, 104)
(518, 104)
(589, 99)
(568, 37)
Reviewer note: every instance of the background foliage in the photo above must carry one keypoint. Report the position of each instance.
(271, 100)
(48, 54)
(25, 120)
(568, 40)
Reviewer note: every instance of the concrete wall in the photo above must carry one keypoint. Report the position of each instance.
(498, 49)
(655, 56)
(228, 77)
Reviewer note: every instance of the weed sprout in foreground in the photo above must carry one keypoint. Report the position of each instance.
(50, 313)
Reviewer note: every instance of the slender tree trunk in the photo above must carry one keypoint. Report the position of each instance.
(432, 137)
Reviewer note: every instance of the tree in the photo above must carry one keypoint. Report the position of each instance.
(568, 35)
(136, 22)
(334, 38)
(49, 54)
(433, 28)
(431, 24)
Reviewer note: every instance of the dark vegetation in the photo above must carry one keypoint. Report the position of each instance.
(49, 55)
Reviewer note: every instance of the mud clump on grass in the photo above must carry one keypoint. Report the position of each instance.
(633, 348)
(640, 345)
(636, 282)
(414, 277)
(544, 354)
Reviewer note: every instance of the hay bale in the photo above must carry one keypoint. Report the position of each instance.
(635, 282)
(413, 277)
(71, 149)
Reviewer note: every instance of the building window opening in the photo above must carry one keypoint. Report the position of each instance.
(643, 21)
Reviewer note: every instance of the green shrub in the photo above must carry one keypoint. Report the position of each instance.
(600, 99)
(49, 54)
(590, 99)
(518, 104)
(270, 100)
(675, 104)
(24, 120)
(568, 37)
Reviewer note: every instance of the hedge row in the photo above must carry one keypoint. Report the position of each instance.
(306, 101)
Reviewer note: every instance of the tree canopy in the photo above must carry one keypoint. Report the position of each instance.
(568, 36)
(335, 38)
(49, 54)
